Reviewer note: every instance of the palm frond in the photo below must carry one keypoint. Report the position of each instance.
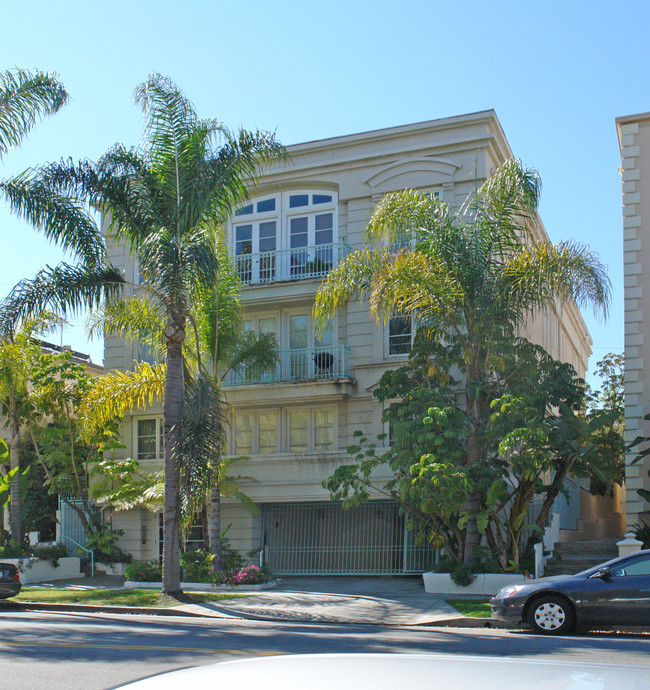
(26, 97)
(64, 289)
(351, 279)
(135, 318)
(62, 219)
(202, 440)
(119, 392)
(541, 272)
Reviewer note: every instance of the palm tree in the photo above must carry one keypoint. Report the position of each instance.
(161, 200)
(219, 346)
(472, 275)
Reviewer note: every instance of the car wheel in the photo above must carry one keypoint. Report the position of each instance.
(551, 615)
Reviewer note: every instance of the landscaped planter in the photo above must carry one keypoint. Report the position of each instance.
(34, 570)
(204, 586)
(486, 583)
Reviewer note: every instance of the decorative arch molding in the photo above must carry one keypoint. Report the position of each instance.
(413, 172)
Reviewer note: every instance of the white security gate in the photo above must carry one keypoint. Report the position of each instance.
(323, 539)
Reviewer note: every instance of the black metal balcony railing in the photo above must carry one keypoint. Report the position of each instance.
(290, 264)
(300, 364)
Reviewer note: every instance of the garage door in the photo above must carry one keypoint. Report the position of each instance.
(324, 539)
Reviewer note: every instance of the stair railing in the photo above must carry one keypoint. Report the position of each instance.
(83, 548)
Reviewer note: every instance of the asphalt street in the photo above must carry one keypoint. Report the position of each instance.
(98, 651)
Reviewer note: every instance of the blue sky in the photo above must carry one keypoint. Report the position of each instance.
(557, 74)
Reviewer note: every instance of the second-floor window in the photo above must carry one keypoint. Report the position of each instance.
(149, 438)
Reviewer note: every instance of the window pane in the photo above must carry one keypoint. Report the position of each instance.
(324, 229)
(146, 439)
(268, 433)
(321, 198)
(399, 335)
(298, 331)
(296, 200)
(243, 433)
(323, 430)
(298, 431)
(266, 205)
(244, 210)
(267, 236)
(267, 325)
(243, 239)
(298, 232)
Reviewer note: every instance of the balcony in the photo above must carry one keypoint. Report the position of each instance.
(300, 364)
(302, 263)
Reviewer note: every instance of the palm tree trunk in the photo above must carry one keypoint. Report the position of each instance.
(172, 409)
(15, 522)
(214, 521)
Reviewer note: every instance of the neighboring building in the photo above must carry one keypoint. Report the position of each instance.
(634, 142)
(295, 424)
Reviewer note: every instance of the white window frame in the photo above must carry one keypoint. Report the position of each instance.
(255, 430)
(311, 428)
(392, 355)
(159, 437)
(283, 212)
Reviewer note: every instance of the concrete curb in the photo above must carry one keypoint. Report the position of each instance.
(87, 608)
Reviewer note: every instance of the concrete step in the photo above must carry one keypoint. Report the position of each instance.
(576, 556)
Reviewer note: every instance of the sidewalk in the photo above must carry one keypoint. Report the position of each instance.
(347, 600)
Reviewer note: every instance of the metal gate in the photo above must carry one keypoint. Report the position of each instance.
(71, 528)
(323, 539)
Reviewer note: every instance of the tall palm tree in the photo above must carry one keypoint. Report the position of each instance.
(473, 275)
(161, 200)
(219, 345)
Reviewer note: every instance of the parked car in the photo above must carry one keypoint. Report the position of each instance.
(390, 671)
(616, 592)
(10, 584)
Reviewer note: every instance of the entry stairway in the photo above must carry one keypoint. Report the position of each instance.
(573, 557)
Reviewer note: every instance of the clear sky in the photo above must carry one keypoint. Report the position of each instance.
(557, 73)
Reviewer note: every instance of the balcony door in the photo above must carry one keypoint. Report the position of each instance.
(255, 251)
(311, 238)
(309, 354)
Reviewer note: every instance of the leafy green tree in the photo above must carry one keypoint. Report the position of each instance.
(535, 437)
(471, 276)
(161, 200)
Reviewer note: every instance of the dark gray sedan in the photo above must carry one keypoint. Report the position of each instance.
(614, 593)
(9, 580)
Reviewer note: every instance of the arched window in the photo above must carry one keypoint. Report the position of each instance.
(286, 236)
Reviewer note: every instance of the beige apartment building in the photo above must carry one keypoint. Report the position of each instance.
(634, 142)
(294, 424)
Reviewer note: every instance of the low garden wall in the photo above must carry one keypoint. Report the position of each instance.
(487, 584)
(33, 570)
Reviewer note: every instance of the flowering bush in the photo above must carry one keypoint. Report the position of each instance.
(248, 575)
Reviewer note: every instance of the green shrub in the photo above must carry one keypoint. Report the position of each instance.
(143, 571)
(51, 553)
(642, 533)
(102, 543)
(196, 565)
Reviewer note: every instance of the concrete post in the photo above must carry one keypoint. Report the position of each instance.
(628, 545)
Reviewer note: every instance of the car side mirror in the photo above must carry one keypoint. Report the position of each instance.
(603, 574)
